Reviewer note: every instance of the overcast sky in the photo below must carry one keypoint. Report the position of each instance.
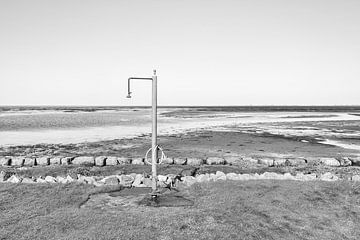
(279, 52)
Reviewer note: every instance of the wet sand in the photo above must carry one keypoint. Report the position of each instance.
(192, 144)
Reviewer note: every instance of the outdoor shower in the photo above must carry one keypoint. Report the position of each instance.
(154, 147)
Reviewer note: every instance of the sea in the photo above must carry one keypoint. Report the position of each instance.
(31, 125)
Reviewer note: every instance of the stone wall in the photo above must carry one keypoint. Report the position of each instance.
(23, 161)
(170, 180)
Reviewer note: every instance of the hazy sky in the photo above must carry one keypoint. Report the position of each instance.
(224, 52)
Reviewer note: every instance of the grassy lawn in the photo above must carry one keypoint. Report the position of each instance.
(222, 210)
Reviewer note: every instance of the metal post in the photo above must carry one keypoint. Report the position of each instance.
(154, 146)
(154, 132)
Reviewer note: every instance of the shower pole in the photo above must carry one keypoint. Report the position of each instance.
(154, 146)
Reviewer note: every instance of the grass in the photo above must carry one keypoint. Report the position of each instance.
(222, 210)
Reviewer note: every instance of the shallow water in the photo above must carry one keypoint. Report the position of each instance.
(35, 126)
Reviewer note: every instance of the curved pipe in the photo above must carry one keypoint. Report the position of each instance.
(135, 78)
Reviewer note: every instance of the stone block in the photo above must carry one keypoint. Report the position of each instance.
(279, 162)
(124, 160)
(14, 179)
(43, 161)
(100, 161)
(89, 161)
(27, 180)
(17, 161)
(167, 160)
(50, 179)
(111, 180)
(233, 160)
(4, 161)
(331, 162)
(66, 160)
(194, 161)
(55, 160)
(266, 161)
(126, 180)
(138, 161)
(215, 161)
(111, 161)
(232, 176)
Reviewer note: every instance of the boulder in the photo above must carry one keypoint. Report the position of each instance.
(61, 179)
(55, 160)
(40, 180)
(27, 180)
(162, 178)
(270, 175)
(17, 161)
(266, 161)
(43, 161)
(332, 162)
(344, 161)
(50, 179)
(124, 160)
(232, 176)
(188, 180)
(66, 160)
(300, 176)
(29, 162)
(305, 177)
(86, 179)
(203, 177)
(138, 180)
(171, 179)
(89, 161)
(126, 180)
(355, 161)
(232, 160)
(279, 162)
(100, 161)
(167, 160)
(288, 176)
(14, 179)
(328, 176)
(138, 161)
(220, 175)
(294, 162)
(111, 161)
(215, 161)
(244, 177)
(5, 161)
(194, 161)
(355, 178)
(111, 180)
(70, 179)
(255, 176)
(179, 161)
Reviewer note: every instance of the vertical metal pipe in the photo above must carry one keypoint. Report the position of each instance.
(154, 132)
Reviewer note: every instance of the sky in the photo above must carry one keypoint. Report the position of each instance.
(206, 52)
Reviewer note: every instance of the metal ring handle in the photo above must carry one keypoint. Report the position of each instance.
(163, 156)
